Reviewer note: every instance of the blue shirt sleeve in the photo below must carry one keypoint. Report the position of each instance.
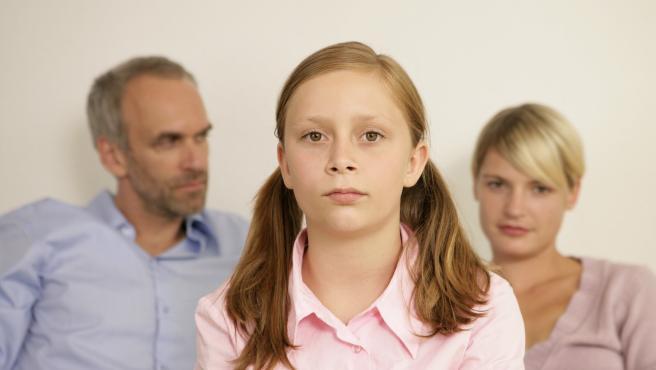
(19, 286)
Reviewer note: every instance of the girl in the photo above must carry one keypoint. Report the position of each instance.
(382, 277)
(579, 313)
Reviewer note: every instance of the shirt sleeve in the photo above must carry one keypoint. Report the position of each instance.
(216, 335)
(20, 288)
(638, 331)
(498, 338)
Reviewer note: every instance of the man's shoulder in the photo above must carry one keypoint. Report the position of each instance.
(222, 219)
(230, 229)
(43, 216)
(28, 226)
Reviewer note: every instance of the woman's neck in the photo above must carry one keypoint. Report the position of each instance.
(347, 272)
(525, 274)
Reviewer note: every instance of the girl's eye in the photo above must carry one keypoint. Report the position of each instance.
(314, 136)
(372, 136)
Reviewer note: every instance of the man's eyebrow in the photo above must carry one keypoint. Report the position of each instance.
(207, 129)
(167, 135)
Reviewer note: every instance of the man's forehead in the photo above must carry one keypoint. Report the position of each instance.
(153, 104)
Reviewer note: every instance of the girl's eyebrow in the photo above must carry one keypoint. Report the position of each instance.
(370, 117)
(313, 119)
(358, 118)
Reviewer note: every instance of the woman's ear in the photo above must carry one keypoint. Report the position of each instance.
(573, 195)
(417, 162)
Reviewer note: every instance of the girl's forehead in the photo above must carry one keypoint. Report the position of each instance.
(357, 93)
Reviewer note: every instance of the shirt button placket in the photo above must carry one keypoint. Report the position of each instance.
(160, 310)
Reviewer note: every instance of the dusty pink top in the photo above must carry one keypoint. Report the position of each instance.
(381, 337)
(610, 323)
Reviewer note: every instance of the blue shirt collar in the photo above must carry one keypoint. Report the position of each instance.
(196, 225)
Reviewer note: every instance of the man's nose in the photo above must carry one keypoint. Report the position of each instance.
(194, 156)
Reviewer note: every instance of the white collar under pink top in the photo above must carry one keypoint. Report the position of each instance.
(381, 337)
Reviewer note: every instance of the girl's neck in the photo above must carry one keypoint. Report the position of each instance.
(347, 272)
(527, 273)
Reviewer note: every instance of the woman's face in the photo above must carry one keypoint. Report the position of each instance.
(520, 215)
(347, 152)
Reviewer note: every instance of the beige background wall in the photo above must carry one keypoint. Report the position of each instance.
(593, 60)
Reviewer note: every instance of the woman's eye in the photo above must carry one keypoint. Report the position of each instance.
(494, 184)
(541, 189)
(372, 136)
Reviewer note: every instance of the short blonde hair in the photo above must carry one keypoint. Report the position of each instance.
(537, 140)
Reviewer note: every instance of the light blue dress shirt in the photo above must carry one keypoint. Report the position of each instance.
(76, 291)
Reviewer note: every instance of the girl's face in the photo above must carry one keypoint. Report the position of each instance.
(347, 152)
(520, 215)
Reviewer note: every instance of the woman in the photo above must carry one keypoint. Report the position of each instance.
(579, 313)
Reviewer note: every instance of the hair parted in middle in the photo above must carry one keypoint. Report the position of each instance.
(450, 279)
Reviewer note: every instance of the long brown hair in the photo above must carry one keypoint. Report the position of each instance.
(449, 277)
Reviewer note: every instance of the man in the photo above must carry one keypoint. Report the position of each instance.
(115, 285)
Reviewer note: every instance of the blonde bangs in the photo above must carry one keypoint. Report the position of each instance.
(538, 141)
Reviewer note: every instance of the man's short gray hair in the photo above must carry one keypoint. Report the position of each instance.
(104, 100)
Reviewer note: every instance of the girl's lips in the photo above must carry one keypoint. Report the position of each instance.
(345, 197)
(513, 230)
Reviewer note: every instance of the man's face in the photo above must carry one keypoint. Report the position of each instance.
(167, 151)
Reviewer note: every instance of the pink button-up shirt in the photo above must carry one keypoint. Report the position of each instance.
(381, 337)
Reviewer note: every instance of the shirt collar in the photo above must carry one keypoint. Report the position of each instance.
(395, 304)
(197, 226)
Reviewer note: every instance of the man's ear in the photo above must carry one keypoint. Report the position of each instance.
(284, 168)
(416, 164)
(112, 157)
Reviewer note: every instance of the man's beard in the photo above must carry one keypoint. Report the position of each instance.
(162, 196)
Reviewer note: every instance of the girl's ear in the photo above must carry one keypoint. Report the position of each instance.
(112, 157)
(284, 168)
(416, 164)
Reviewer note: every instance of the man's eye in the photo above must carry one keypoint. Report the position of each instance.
(372, 136)
(166, 141)
(202, 137)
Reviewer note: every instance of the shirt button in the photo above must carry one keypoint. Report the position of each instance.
(125, 230)
(165, 309)
(357, 349)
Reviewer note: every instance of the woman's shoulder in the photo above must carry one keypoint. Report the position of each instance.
(617, 277)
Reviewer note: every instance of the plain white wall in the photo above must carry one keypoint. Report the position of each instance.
(592, 60)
